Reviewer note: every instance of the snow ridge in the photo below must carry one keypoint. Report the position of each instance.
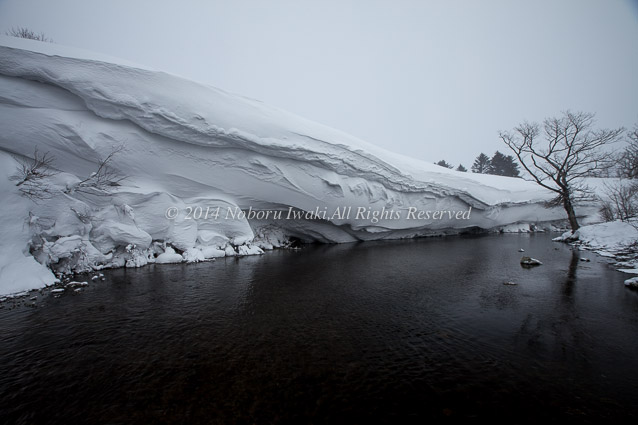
(165, 105)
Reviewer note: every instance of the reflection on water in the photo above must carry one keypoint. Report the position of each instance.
(390, 331)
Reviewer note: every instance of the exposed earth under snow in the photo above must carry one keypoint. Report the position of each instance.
(198, 162)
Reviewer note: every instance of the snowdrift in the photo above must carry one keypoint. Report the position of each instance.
(192, 155)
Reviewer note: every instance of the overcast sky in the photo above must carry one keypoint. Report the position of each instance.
(429, 79)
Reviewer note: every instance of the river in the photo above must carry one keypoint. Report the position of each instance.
(395, 332)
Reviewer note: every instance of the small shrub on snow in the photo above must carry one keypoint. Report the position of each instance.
(103, 179)
(22, 32)
(32, 175)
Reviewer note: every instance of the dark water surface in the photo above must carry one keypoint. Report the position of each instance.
(398, 332)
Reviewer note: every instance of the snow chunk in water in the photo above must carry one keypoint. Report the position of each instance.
(249, 250)
(212, 252)
(194, 255)
(169, 256)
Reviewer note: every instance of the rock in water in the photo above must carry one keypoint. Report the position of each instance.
(529, 261)
(632, 283)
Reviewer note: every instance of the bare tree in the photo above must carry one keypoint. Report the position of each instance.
(628, 160)
(32, 175)
(22, 32)
(571, 149)
(621, 202)
(104, 178)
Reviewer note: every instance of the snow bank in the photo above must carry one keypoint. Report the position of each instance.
(613, 236)
(19, 271)
(190, 148)
(616, 239)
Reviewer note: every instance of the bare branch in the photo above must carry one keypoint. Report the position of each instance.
(628, 160)
(621, 202)
(523, 147)
(105, 178)
(22, 32)
(32, 175)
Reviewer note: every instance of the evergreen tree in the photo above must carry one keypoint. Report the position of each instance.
(481, 164)
(511, 167)
(503, 165)
(443, 163)
(461, 168)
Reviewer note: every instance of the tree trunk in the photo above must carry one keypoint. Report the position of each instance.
(571, 214)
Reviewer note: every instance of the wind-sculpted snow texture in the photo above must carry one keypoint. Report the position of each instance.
(188, 145)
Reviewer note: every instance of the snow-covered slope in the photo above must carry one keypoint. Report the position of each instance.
(187, 145)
